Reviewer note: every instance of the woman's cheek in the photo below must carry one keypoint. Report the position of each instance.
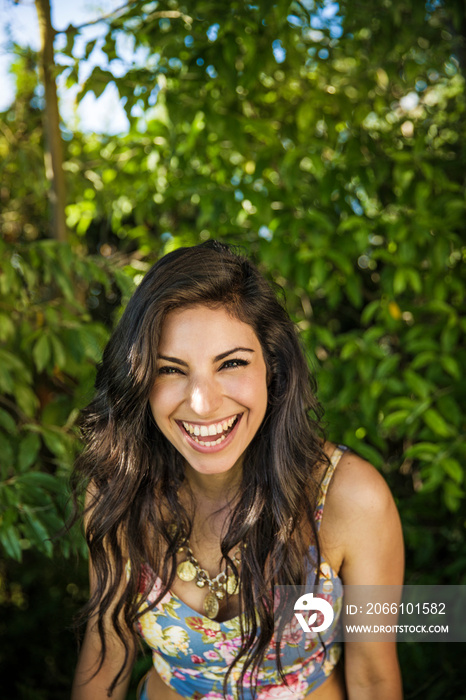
(167, 391)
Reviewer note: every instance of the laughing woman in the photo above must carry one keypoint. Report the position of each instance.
(208, 484)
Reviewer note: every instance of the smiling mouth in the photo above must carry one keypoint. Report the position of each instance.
(210, 435)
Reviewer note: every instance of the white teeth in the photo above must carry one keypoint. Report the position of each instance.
(209, 430)
(210, 444)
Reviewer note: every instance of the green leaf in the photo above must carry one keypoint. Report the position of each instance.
(41, 353)
(55, 440)
(419, 409)
(369, 311)
(27, 400)
(41, 480)
(453, 468)
(365, 367)
(453, 495)
(353, 289)
(7, 422)
(423, 359)
(59, 355)
(414, 280)
(417, 384)
(91, 343)
(13, 362)
(441, 307)
(37, 531)
(90, 48)
(6, 380)
(6, 452)
(28, 450)
(64, 282)
(7, 328)
(450, 410)
(9, 538)
(98, 81)
(426, 451)
(449, 337)
(451, 366)
(341, 261)
(325, 336)
(396, 418)
(400, 281)
(376, 388)
(387, 366)
(125, 283)
(349, 349)
(370, 453)
(435, 422)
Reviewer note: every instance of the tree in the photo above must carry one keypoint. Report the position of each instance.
(328, 141)
(335, 155)
(53, 153)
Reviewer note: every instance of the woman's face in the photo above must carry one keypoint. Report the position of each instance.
(210, 393)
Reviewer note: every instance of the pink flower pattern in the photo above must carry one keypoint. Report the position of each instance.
(197, 659)
(212, 655)
(228, 648)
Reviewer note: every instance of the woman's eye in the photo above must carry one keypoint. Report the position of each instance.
(169, 370)
(234, 363)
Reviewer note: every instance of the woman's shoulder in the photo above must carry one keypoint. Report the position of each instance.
(360, 512)
(356, 484)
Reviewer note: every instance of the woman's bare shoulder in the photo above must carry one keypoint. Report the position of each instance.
(361, 520)
(357, 487)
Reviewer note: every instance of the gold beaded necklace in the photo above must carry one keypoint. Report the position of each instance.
(219, 586)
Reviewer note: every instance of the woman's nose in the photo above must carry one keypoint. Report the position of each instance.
(205, 397)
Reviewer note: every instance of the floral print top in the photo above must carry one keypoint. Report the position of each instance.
(192, 653)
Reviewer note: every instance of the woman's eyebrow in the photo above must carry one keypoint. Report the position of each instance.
(173, 359)
(230, 352)
(217, 358)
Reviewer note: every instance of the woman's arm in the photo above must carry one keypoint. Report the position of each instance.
(373, 554)
(89, 685)
(86, 685)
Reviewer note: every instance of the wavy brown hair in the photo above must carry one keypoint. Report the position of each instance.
(136, 472)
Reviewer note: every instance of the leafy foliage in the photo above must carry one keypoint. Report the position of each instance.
(335, 155)
(327, 140)
(50, 346)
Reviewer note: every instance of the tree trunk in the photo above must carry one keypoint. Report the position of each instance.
(53, 154)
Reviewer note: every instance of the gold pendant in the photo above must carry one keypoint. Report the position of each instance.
(327, 586)
(232, 585)
(211, 605)
(186, 571)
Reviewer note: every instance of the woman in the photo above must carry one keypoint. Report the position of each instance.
(207, 475)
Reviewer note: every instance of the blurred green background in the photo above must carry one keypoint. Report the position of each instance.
(326, 139)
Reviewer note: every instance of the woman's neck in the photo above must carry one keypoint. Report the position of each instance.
(214, 491)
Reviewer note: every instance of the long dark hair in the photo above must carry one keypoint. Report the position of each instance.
(136, 473)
